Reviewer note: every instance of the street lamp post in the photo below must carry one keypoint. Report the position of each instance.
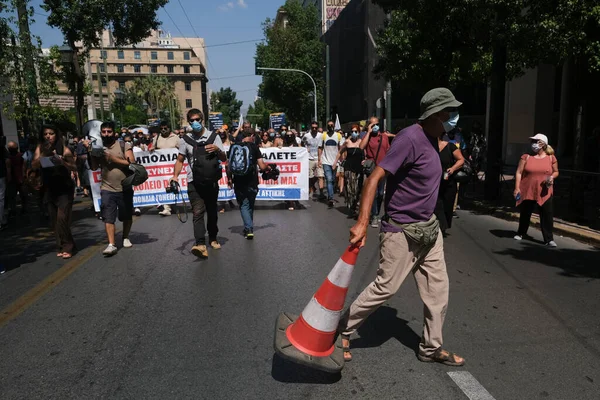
(120, 96)
(67, 56)
(303, 72)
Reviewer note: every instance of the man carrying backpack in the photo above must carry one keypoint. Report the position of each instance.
(244, 160)
(204, 152)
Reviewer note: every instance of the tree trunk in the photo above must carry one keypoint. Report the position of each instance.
(496, 128)
(28, 61)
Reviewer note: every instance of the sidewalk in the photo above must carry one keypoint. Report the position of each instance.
(562, 228)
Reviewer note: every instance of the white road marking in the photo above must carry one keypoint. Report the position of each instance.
(470, 386)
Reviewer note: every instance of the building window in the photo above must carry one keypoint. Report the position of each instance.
(102, 69)
(137, 55)
(120, 55)
(153, 69)
(103, 54)
(186, 69)
(122, 85)
(170, 56)
(154, 55)
(170, 69)
(103, 82)
(120, 68)
(186, 55)
(188, 103)
(188, 86)
(137, 68)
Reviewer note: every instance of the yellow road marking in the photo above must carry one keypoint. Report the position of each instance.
(26, 300)
(31, 296)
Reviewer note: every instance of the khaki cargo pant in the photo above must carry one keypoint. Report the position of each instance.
(399, 257)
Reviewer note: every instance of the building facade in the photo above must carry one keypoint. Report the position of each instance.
(110, 68)
(329, 11)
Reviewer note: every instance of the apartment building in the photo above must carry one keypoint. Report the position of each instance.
(109, 68)
(328, 10)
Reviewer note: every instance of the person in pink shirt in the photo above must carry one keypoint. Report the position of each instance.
(534, 184)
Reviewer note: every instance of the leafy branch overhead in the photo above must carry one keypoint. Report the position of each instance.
(225, 101)
(441, 43)
(298, 46)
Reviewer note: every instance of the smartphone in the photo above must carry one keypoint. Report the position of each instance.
(518, 197)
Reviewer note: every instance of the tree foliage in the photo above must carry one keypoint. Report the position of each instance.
(13, 54)
(130, 109)
(157, 91)
(225, 101)
(298, 46)
(431, 43)
(263, 108)
(130, 21)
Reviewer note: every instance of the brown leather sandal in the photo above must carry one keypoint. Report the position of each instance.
(443, 357)
(347, 354)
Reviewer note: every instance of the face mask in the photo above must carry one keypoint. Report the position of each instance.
(196, 126)
(223, 136)
(375, 129)
(109, 139)
(13, 151)
(354, 136)
(536, 147)
(272, 134)
(330, 128)
(452, 122)
(283, 132)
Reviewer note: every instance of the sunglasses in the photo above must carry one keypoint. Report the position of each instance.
(195, 120)
(107, 131)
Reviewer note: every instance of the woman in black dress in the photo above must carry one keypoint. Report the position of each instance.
(452, 161)
(353, 157)
(58, 187)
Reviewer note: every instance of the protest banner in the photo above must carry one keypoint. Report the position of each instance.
(292, 184)
(276, 120)
(215, 120)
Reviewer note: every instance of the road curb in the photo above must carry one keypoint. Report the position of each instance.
(584, 235)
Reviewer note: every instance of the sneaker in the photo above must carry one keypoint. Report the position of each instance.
(518, 237)
(375, 222)
(551, 243)
(110, 250)
(137, 211)
(215, 245)
(127, 243)
(330, 204)
(248, 234)
(322, 197)
(165, 213)
(200, 251)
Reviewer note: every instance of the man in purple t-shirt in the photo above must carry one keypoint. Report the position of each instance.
(411, 240)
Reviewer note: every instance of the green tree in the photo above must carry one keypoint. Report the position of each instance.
(263, 108)
(427, 43)
(28, 73)
(298, 46)
(156, 91)
(130, 109)
(225, 101)
(83, 21)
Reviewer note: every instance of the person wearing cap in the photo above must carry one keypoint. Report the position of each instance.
(410, 239)
(534, 184)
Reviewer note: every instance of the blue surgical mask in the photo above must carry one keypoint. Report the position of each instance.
(375, 129)
(196, 126)
(452, 122)
(354, 135)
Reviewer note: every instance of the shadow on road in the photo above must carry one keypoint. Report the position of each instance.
(383, 325)
(572, 262)
(239, 230)
(507, 234)
(288, 372)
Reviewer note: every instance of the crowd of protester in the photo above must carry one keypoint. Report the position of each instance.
(340, 160)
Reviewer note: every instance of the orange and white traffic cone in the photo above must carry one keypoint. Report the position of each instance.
(310, 338)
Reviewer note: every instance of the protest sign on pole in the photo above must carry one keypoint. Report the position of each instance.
(276, 120)
(215, 120)
(292, 184)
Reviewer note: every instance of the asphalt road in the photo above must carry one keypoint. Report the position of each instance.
(154, 322)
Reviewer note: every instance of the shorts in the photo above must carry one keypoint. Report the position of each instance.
(116, 203)
(340, 170)
(314, 170)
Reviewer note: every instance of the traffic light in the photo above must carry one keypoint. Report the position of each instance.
(303, 127)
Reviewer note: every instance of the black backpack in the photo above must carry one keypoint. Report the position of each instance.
(206, 167)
